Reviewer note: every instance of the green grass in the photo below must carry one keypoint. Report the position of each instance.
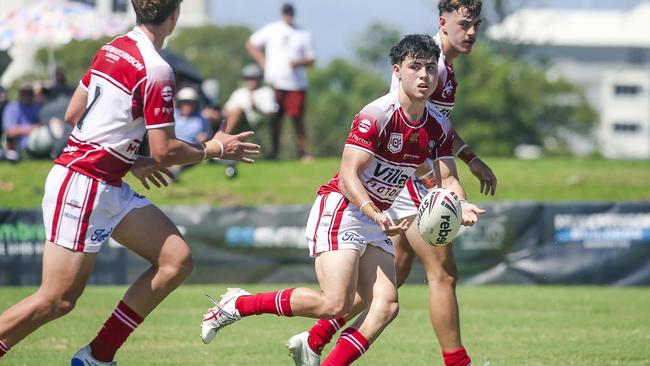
(292, 182)
(519, 326)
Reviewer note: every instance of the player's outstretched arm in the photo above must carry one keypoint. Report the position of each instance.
(448, 178)
(167, 150)
(353, 162)
(480, 169)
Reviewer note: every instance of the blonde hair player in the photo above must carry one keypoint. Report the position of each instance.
(127, 91)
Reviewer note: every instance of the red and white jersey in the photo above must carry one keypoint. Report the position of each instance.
(444, 96)
(398, 146)
(130, 89)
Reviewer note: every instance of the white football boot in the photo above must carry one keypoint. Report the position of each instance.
(85, 358)
(223, 313)
(300, 351)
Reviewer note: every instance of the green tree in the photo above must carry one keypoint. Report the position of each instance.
(217, 52)
(503, 102)
(375, 44)
(336, 94)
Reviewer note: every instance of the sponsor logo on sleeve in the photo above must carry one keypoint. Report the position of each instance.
(167, 93)
(364, 126)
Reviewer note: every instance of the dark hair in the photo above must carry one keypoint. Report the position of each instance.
(418, 46)
(287, 9)
(153, 11)
(449, 6)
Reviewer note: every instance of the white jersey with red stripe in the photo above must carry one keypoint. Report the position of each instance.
(130, 89)
(398, 146)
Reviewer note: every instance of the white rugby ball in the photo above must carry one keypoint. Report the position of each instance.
(440, 216)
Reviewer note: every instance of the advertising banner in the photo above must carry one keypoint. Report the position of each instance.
(515, 242)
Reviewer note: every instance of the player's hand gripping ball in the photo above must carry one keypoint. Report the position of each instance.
(439, 217)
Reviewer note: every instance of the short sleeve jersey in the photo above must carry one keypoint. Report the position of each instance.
(282, 44)
(398, 146)
(130, 89)
(444, 96)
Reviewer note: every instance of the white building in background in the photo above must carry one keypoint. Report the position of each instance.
(607, 52)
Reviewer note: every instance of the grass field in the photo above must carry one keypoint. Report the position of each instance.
(519, 326)
(291, 182)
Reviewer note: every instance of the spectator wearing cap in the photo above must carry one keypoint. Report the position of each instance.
(250, 102)
(18, 119)
(190, 125)
(285, 50)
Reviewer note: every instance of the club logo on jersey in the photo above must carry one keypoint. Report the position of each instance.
(364, 126)
(167, 93)
(395, 142)
(448, 89)
(414, 137)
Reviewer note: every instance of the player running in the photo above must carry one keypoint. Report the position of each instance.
(126, 92)
(347, 230)
(459, 26)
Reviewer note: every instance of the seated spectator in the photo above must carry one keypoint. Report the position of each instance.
(191, 126)
(19, 118)
(250, 102)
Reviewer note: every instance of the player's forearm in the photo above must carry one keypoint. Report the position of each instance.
(352, 188)
(179, 152)
(452, 183)
(303, 62)
(463, 151)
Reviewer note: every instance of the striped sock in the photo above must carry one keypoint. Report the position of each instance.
(278, 303)
(458, 357)
(322, 332)
(115, 331)
(3, 349)
(350, 346)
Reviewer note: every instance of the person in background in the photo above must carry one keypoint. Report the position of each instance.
(191, 126)
(251, 103)
(18, 119)
(284, 51)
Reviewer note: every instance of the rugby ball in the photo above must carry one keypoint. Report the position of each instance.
(439, 217)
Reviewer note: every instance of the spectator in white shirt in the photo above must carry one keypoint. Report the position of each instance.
(285, 50)
(252, 102)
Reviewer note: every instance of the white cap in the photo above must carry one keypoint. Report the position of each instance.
(187, 93)
(251, 71)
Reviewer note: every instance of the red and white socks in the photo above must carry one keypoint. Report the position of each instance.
(458, 357)
(115, 331)
(278, 303)
(350, 346)
(3, 349)
(322, 332)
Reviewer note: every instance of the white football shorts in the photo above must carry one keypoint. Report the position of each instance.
(407, 202)
(80, 213)
(335, 224)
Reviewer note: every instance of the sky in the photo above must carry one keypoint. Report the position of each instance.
(335, 24)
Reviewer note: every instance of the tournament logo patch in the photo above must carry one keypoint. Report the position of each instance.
(364, 126)
(395, 142)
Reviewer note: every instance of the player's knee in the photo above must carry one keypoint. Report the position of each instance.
(54, 307)
(183, 266)
(444, 276)
(387, 310)
(336, 309)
